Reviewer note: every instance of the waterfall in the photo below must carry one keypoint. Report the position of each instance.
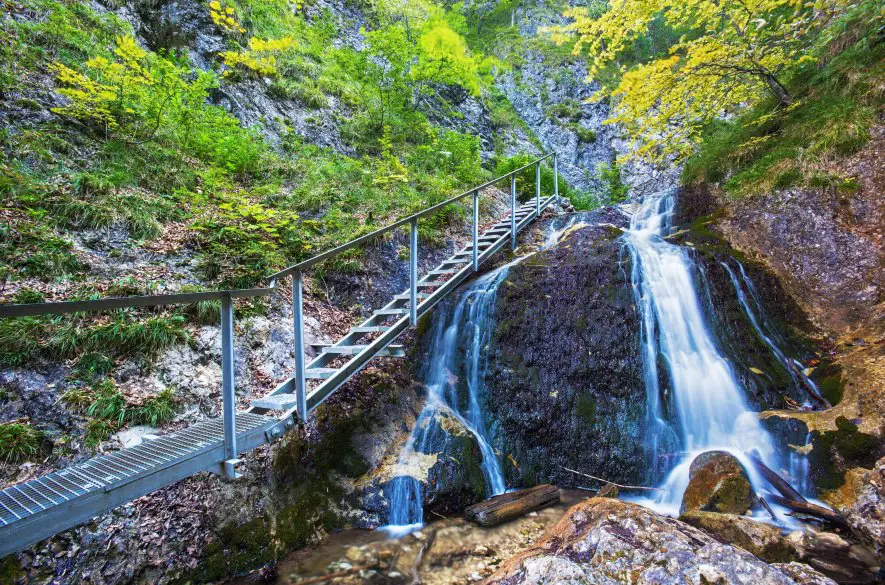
(709, 405)
(756, 315)
(461, 332)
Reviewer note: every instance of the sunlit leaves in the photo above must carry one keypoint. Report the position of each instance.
(734, 54)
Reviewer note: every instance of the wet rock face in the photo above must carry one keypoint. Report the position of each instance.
(718, 483)
(604, 541)
(828, 245)
(565, 380)
(866, 513)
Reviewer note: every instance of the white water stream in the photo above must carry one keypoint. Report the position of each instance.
(458, 351)
(711, 412)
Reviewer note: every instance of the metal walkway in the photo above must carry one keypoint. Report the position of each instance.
(45, 506)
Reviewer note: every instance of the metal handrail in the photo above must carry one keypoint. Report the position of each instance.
(406, 220)
(226, 297)
(66, 307)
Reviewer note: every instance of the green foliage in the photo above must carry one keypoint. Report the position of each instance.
(123, 333)
(140, 97)
(33, 250)
(108, 403)
(19, 441)
(616, 190)
(525, 180)
(156, 410)
(568, 110)
(110, 410)
(728, 55)
(770, 147)
(25, 296)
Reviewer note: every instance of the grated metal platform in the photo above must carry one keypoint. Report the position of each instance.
(42, 507)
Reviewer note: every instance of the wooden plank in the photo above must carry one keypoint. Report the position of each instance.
(500, 509)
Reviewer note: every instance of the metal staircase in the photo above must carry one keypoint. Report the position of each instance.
(42, 507)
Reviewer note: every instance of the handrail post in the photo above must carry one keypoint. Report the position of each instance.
(228, 395)
(556, 179)
(476, 231)
(538, 188)
(513, 211)
(413, 272)
(298, 322)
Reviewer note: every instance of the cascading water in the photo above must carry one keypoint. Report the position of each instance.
(798, 464)
(458, 351)
(756, 315)
(710, 410)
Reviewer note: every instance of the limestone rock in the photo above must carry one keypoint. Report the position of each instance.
(802, 574)
(604, 542)
(763, 540)
(866, 513)
(718, 483)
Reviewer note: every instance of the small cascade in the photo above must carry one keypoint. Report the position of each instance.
(755, 312)
(710, 410)
(458, 351)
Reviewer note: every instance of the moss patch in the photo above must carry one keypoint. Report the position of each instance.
(835, 452)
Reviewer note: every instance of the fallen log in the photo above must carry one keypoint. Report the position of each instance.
(779, 483)
(500, 509)
(810, 509)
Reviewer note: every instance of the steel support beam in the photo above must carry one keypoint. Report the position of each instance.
(513, 212)
(556, 179)
(538, 188)
(298, 322)
(228, 393)
(476, 231)
(413, 272)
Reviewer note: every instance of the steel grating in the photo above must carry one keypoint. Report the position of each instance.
(51, 497)
(47, 505)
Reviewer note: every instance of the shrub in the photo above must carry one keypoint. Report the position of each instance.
(19, 441)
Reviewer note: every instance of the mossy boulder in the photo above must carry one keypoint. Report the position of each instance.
(763, 540)
(717, 483)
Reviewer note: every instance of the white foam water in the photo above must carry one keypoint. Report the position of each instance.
(710, 409)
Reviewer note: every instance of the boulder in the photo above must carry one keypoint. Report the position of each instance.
(763, 540)
(718, 483)
(602, 541)
(864, 506)
(834, 556)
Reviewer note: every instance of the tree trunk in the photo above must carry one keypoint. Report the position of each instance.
(500, 509)
(778, 89)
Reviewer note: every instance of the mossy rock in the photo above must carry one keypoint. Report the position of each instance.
(717, 483)
(11, 570)
(835, 452)
(762, 540)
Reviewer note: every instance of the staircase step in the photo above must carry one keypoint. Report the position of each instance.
(452, 261)
(391, 312)
(275, 402)
(431, 283)
(406, 297)
(319, 373)
(440, 272)
(389, 351)
(369, 328)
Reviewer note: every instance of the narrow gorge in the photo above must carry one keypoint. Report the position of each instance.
(664, 303)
